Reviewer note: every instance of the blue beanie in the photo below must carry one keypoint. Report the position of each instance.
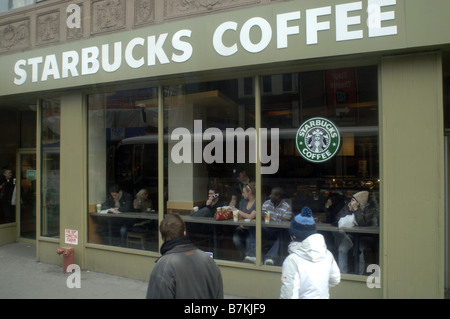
(302, 225)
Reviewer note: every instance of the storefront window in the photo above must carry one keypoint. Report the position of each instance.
(123, 168)
(210, 161)
(50, 151)
(6, 5)
(348, 98)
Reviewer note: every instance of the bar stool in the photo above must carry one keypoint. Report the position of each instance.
(136, 238)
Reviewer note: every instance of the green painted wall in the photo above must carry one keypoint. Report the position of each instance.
(412, 176)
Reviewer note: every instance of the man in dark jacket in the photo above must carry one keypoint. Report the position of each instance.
(183, 271)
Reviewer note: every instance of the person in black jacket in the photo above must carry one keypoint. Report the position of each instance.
(121, 202)
(183, 271)
(6, 194)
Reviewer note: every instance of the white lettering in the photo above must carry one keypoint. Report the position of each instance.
(155, 49)
(343, 21)
(21, 73)
(313, 26)
(254, 35)
(117, 57)
(34, 62)
(74, 19)
(74, 280)
(182, 46)
(218, 39)
(129, 58)
(70, 61)
(181, 152)
(375, 17)
(283, 30)
(89, 57)
(50, 68)
(266, 35)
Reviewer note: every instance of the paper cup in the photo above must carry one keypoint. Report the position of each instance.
(267, 217)
(99, 208)
(235, 215)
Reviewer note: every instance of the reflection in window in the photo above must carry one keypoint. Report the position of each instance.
(50, 152)
(123, 168)
(348, 98)
(209, 129)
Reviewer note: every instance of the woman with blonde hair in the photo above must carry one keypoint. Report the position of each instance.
(142, 203)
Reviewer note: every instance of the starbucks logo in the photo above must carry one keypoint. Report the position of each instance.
(318, 140)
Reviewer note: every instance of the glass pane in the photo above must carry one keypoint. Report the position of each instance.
(9, 143)
(123, 168)
(7, 196)
(50, 150)
(28, 128)
(210, 157)
(28, 196)
(349, 99)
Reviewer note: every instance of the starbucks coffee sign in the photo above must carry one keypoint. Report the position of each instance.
(318, 140)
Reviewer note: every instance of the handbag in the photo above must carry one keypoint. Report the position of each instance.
(223, 214)
(347, 221)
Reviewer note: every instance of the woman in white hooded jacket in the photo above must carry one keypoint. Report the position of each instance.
(310, 268)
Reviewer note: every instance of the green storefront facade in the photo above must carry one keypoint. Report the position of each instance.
(396, 98)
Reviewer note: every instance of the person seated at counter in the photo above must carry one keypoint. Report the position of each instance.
(279, 210)
(247, 210)
(142, 203)
(122, 202)
(208, 209)
(240, 181)
(366, 212)
(118, 200)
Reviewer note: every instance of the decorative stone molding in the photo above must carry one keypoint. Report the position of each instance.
(144, 12)
(180, 8)
(107, 15)
(15, 36)
(45, 22)
(47, 28)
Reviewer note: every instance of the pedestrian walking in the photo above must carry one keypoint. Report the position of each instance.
(310, 268)
(183, 271)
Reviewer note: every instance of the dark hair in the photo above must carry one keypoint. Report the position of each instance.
(214, 188)
(172, 227)
(278, 190)
(114, 188)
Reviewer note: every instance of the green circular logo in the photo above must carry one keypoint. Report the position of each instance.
(318, 140)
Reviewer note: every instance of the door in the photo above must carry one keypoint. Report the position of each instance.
(26, 206)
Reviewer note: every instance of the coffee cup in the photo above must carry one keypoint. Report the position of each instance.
(235, 215)
(99, 208)
(266, 217)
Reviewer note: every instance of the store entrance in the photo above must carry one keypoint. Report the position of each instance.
(26, 206)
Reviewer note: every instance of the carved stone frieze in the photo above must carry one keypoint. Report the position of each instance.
(108, 15)
(14, 36)
(144, 12)
(47, 28)
(180, 8)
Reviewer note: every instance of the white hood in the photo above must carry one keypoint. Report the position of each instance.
(312, 248)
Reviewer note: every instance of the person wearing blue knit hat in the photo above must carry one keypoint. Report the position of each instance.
(310, 269)
(302, 225)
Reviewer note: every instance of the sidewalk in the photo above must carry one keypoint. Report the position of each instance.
(22, 277)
